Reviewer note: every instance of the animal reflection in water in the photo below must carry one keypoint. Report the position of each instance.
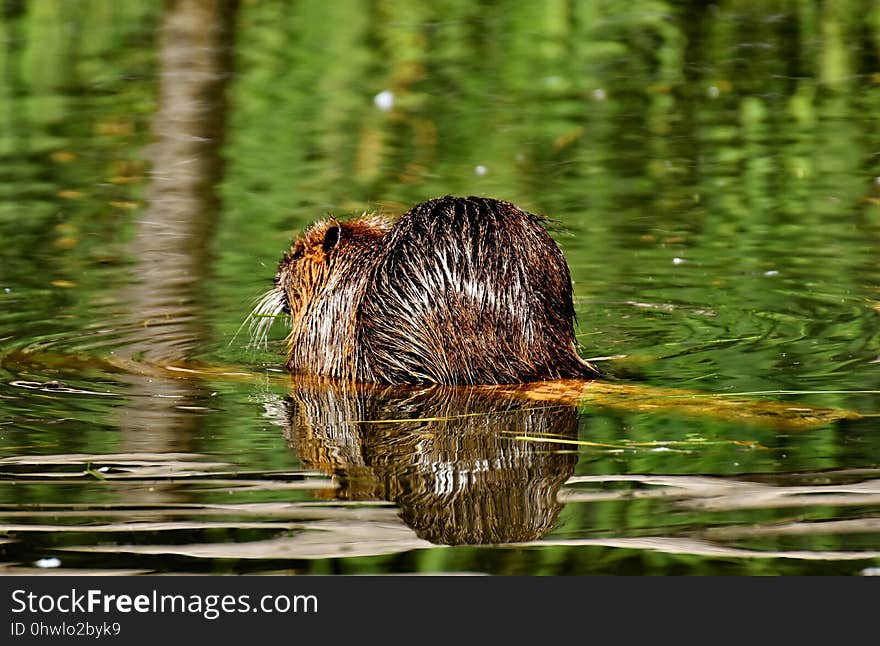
(452, 458)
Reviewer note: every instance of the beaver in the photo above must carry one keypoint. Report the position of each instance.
(459, 291)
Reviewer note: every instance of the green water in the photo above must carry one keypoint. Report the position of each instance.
(713, 174)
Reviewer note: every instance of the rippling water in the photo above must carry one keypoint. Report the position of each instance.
(712, 175)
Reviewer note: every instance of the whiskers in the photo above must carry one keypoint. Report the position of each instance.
(267, 309)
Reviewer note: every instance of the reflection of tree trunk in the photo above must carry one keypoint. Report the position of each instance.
(172, 237)
(171, 241)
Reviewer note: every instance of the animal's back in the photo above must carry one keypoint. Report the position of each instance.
(469, 291)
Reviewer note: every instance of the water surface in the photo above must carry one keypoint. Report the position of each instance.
(712, 174)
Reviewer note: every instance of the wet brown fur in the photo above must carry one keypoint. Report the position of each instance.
(459, 291)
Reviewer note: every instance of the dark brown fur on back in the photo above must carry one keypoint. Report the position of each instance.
(460, 291)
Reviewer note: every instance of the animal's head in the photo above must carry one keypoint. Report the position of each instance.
(307, 270)
(304, 271)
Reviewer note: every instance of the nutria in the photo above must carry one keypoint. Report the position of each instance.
(459, 291)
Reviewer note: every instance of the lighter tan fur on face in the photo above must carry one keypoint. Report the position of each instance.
(324, 278)
(292, 288)
(304, 272)
(307, 289)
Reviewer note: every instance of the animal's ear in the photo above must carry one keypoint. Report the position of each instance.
(331, 238)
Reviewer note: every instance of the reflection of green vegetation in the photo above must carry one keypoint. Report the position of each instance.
(740, 138)
(72, 125)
